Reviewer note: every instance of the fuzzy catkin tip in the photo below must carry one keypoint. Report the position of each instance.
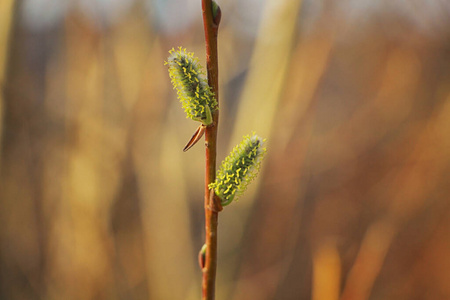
(239, 169)
(192, 88)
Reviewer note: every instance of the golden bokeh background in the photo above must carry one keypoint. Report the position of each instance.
(97, 200)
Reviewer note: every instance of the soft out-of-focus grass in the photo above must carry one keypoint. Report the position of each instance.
(99, 202)
(6, 13)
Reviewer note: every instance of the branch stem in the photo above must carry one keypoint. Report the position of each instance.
(211, 215)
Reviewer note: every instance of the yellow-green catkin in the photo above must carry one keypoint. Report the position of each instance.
(239, 169)
(192, 88)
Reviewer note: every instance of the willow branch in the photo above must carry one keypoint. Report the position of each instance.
(211, 215)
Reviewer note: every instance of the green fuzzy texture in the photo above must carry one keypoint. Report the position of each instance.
(192, 88)
(239, 169)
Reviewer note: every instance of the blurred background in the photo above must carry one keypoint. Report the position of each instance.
(97, 200)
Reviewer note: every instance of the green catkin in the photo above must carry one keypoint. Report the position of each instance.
(192, 88)
(239, 169)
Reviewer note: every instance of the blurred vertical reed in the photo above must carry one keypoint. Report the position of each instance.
(7, 13)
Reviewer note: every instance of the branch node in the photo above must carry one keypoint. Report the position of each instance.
(215, 203)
